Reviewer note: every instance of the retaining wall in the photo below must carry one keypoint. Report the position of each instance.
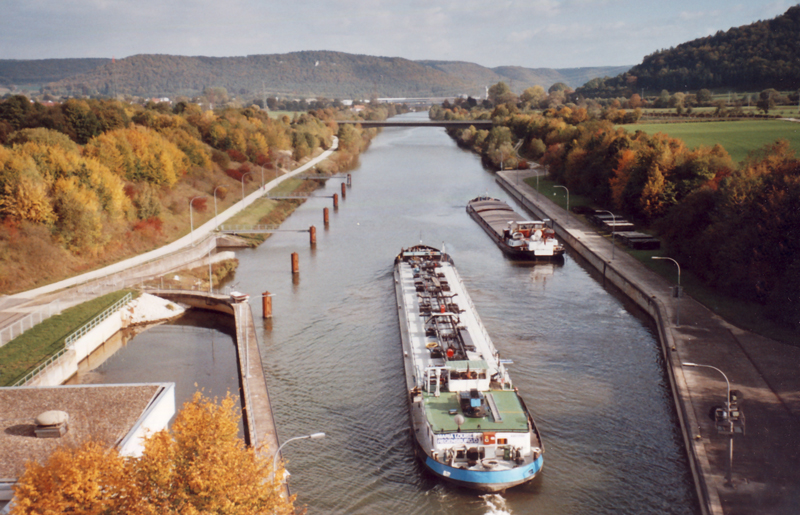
(647, 301)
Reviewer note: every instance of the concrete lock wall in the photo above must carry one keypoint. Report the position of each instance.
(66, 365)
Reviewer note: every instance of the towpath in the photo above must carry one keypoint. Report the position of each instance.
(13, 307)
(765, 471)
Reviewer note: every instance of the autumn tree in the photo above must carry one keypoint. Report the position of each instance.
(201, 466)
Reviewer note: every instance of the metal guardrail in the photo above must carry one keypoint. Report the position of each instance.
(69, 342)
(71, 339)
(41, 368)
(7, 334)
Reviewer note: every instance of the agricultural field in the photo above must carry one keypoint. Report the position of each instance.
(738, 137)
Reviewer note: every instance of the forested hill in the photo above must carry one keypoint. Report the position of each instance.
(307, 74)
(764, 54)
(519, 78)
(42, 71)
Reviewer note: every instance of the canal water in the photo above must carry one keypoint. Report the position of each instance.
(586, 362)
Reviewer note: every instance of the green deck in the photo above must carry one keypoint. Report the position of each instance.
(508, 404)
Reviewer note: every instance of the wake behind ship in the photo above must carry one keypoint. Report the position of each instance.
(470, 425)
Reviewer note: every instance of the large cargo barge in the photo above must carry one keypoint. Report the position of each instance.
(517, 237)
(469, 424)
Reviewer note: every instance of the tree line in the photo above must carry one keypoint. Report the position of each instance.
(736, 226)
(89, 178)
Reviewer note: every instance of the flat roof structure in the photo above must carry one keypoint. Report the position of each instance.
(112, 414)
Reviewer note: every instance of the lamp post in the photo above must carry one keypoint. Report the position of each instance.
(729, 475)
(678, 303)
(215, 204)
(613, 231)
(191, 218)
(262, 176)
(313, 436)
(243, 176)
(565, 189)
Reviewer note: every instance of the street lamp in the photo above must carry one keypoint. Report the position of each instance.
(729, 476)
(243, 176)
(565, 189)
(314, 436)
(679, 291)
(215, 204)
(613, 230)
(191, 218)
(262, 176)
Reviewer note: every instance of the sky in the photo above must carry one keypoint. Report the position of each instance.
(529, 33)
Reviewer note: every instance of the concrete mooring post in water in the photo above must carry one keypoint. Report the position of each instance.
(326, 217)
(266, 304)
(335, 201)
(349, 180)
(312, 231)
(295, 263)
(344, 191)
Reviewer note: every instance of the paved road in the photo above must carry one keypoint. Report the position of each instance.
(15, 306)
(766, 460)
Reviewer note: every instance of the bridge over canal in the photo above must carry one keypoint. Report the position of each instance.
(447, 124)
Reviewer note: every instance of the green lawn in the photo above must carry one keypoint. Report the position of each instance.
(738, 137)
(24, 353)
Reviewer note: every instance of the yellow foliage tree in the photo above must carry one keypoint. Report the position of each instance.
(200, 467)
(89, 479)
(27, 200)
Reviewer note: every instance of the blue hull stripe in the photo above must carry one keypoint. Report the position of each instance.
(515, 475)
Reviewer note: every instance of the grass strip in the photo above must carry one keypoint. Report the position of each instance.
(25, 352)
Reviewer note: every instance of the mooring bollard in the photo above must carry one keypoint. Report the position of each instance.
(344, 191)
(266, 304)
(326, 216)
(295, 263)
(349, 180)
(335, 201)
(312, 231)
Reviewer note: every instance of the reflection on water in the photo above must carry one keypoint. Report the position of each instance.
(589, 368)
(195, 351)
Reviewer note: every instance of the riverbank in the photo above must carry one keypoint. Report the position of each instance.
(765, 478)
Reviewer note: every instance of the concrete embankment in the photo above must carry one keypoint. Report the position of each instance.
(765, 478)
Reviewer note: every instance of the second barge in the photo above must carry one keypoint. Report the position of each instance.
(517, 238)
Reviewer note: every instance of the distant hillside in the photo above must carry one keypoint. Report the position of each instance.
(42, 71)
(765, 54)
(519, 78)
(297, 74)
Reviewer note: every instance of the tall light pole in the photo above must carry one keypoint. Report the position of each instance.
(215, 204)
(191, 218)
(613, 231)
(262, 176)
(313, 436)
(243, 176)
(729, 476)
(678, 302)
(565, 189)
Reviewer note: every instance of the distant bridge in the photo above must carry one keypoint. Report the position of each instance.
(447, 124)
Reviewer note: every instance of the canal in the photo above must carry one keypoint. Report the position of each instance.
(587, 363)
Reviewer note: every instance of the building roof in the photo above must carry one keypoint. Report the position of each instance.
(105, 413)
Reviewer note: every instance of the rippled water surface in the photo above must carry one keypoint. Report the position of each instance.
(587, 363)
